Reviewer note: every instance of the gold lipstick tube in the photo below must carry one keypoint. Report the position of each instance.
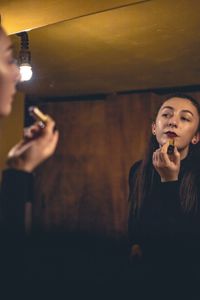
(38, 115)
(170, 149)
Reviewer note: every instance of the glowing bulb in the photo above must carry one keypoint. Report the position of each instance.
(26, 72)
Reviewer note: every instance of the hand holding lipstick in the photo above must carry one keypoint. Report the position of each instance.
(167, 165)
(37, 145)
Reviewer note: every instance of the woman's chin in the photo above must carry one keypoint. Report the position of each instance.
(5, 110)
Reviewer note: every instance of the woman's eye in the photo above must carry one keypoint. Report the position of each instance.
(185, 119)
(166, 115)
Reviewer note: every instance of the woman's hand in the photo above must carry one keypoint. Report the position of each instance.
(167, 166)
(38, 145)
(135, 253)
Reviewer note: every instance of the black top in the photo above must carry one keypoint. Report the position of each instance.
(16, 190)
(162, 227)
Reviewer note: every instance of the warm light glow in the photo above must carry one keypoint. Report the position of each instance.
(26, 72)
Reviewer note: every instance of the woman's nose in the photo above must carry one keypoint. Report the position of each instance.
(173, 122)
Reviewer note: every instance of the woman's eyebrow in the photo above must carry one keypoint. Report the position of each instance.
(170, 107)
(187, 111)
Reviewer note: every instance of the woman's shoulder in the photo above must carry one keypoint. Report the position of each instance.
(135, 166)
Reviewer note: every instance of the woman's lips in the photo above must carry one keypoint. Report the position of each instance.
(171, 134)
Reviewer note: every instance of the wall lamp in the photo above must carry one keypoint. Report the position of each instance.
(25, 57)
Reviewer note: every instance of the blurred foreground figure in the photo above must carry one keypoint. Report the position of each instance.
(17, 180)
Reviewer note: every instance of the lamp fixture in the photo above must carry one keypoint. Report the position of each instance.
(25, 57)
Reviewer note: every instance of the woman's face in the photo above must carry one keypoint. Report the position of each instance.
(9, 74)
(177, 119)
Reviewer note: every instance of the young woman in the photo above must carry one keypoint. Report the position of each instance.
(164, 219)
(17, 180)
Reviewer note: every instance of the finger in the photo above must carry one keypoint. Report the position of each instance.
(156, 157)
(27, 133)
(28, 130)
(20, 148)
(165, 158)
(50, 124)
(32, 131)
(161, 158)
(39, 129)
(164, 148)
(54, 141)
(50, 146)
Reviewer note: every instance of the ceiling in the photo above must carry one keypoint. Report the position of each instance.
(102, 47)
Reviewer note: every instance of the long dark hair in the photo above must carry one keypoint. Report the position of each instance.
(144, 177)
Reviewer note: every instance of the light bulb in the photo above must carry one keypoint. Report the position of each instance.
(26, 72)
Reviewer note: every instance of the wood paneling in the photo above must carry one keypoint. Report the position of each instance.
(84, 187)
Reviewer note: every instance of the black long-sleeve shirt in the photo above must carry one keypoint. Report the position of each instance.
(16, 190)
(162, 227)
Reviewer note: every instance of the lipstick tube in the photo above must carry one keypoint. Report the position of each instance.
(38, 115)
(170, 149)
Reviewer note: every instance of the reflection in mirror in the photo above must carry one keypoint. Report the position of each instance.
(88, 75)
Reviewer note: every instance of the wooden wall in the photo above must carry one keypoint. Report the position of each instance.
(84, 187)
